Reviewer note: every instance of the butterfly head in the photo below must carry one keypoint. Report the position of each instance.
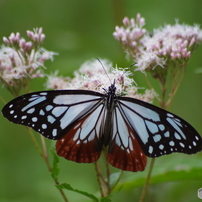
(112, 88)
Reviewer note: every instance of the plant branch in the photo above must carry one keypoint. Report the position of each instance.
(45, 158)
(144, 191)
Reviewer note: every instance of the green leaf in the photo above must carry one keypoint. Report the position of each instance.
(68, 187)
(168, 169)
(55, 169)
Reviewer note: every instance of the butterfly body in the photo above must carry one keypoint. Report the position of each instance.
(83, 122)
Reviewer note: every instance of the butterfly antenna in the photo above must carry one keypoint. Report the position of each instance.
(133, 64)
(104, 69)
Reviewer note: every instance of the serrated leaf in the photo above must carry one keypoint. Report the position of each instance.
(70, 188)
(55, 169)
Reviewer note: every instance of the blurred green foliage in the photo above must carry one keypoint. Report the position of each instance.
(79, 31)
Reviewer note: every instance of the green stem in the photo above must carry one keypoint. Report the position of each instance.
(175, 87)
(45, 153)
(45, 158)
(3, 101)
(100, 179)
(117, 181)
(144, 191)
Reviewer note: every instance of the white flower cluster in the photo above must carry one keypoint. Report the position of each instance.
(96, 76)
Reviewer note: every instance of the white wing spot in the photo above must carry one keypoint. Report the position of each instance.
(161, 127)
(54, 132)
(150, 149)
(167, 134)
(174, 124)
(15, 116)
(12, 111)
(33, 97)
(177, 136)
(43, 93)
(194, 143)
(130, 144)
(33, 103)
(30, 111)
(118, 142)
(182, 145)
(177, 121)
(157, 138)
(41, 112)
(24, 117)
(10, 106)
(170, 115)
(152, 127)
(76, 136)
(161, 146)
(49, 107)
(34, 119)
(50, 119)
(58, 111)
(44, 126)
(91, 136)
(171, 143)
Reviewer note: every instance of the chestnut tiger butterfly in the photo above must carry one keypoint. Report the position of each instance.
(84, 121)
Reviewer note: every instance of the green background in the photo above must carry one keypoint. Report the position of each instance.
(79, 31)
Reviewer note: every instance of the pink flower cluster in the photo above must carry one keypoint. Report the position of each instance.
(168, 43)
(20, 60)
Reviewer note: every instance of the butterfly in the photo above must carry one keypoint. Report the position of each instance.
(84, 122)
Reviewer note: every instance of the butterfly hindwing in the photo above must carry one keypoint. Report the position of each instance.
(124, 151)
(159, 132)
(83, 143)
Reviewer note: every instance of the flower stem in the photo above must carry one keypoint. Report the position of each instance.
(45, 158)
(100, 179)
(144, 191)
(117, 181)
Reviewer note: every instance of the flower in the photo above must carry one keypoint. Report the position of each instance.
(164, 52)
(96, 76)
(20, 61)
(166, 44)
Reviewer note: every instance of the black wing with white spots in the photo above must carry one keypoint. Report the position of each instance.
(51, 113)
(159, 132)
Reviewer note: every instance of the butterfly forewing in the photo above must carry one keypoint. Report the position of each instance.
(159, 132)
(51, 113)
